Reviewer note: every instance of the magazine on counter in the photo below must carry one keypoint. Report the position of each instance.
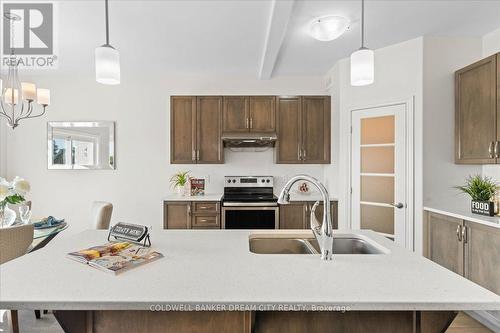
(115, 257)
(197, 186)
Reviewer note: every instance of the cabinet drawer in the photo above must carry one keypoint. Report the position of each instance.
(205, 221)
(206, 207)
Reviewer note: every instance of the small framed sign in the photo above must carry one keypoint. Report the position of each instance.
(135, 233)
(486, 208)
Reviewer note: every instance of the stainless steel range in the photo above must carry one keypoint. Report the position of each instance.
(249, 203)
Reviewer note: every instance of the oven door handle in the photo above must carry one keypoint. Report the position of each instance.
(250, 204)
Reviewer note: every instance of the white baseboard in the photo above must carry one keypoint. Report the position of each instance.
(490, 319)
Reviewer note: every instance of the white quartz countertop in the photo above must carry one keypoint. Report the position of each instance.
(464, 213)
(294, 197)
(205, 197)
(215, 267)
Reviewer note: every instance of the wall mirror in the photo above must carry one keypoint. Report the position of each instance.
(81, 145)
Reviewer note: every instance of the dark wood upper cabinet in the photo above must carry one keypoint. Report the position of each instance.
(303, 130)
(182, 129)
(262, 113)
(316, 129)
(288, 118)
(302, 125)
(208, 130)
(249, 114)
(195, 127)
(235, 114)
(477, 133)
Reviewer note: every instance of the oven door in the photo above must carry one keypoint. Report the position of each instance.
(250, 217)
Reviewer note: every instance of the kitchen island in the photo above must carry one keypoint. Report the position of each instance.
(210, 281)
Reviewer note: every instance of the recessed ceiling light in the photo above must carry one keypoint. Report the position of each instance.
(328, 28)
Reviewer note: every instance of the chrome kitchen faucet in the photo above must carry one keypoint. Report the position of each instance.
(323, 232)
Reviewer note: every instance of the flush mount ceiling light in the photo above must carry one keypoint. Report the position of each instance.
(363, 60)
(328, 28)
(107, 59)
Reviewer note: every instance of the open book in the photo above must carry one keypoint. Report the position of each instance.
(115, 257)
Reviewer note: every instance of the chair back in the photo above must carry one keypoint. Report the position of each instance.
(101, 214)
(15, 241)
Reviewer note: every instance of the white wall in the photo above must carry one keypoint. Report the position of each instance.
(140, 107)
(398, 77)
(442, 57)
(491, 45)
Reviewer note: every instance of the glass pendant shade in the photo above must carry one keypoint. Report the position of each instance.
(362, 67)
(107, 65)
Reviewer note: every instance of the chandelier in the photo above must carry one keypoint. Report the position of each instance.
(17, 98)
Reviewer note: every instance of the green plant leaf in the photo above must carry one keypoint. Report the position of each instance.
(479, 188)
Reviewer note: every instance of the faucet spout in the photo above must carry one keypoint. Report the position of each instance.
(323, 233)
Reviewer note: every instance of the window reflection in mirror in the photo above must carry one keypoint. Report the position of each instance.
(81, 145)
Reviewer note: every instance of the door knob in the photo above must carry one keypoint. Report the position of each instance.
(397, 205)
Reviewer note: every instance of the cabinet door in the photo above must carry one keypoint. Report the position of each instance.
(319, 214)
(293, 216)
(475, 113)
(182, 129)
(235, 114)
(176, 215)
(208, 139)
(288, 122)
(445, 248)
(316, 129)
(262, 113)
(483, 255)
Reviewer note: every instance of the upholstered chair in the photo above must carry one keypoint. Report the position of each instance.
(101, 214)
(14, 242)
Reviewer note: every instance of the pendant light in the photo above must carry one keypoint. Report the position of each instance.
(107, 59)
(363, 60)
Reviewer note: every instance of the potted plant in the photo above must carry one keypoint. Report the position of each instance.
(180, 182)
(481, 190)
(11, 193)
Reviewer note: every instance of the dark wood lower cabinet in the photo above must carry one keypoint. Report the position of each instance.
(254, 322)
(296, 215)
(482, 255)
(467, 248)
(191, 215)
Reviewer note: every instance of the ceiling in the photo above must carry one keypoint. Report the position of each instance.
(232, 37)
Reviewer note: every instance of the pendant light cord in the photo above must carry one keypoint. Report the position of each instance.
(107, 21)
(362, 23)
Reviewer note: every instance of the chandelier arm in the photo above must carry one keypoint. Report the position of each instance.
(28, 113)
(22, 110)
(35, 116)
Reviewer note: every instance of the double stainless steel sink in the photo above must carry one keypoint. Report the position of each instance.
(350, 244)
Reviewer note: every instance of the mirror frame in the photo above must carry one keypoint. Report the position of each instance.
(69, 124)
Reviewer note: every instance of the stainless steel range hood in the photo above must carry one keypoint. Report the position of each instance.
(248, 140)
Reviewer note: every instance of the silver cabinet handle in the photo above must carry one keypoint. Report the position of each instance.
(299, 153)
(251, 122)
(464, 234)
(495, 150)
(197, 155)
(193, 155)
(459, 233)
(397, 205)
(203, 220)
(490, 149)
(246, 123)
(304, 154)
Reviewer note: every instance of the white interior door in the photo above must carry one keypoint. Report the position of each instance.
(378, 171)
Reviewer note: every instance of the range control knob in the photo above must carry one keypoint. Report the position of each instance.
(268, 181)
